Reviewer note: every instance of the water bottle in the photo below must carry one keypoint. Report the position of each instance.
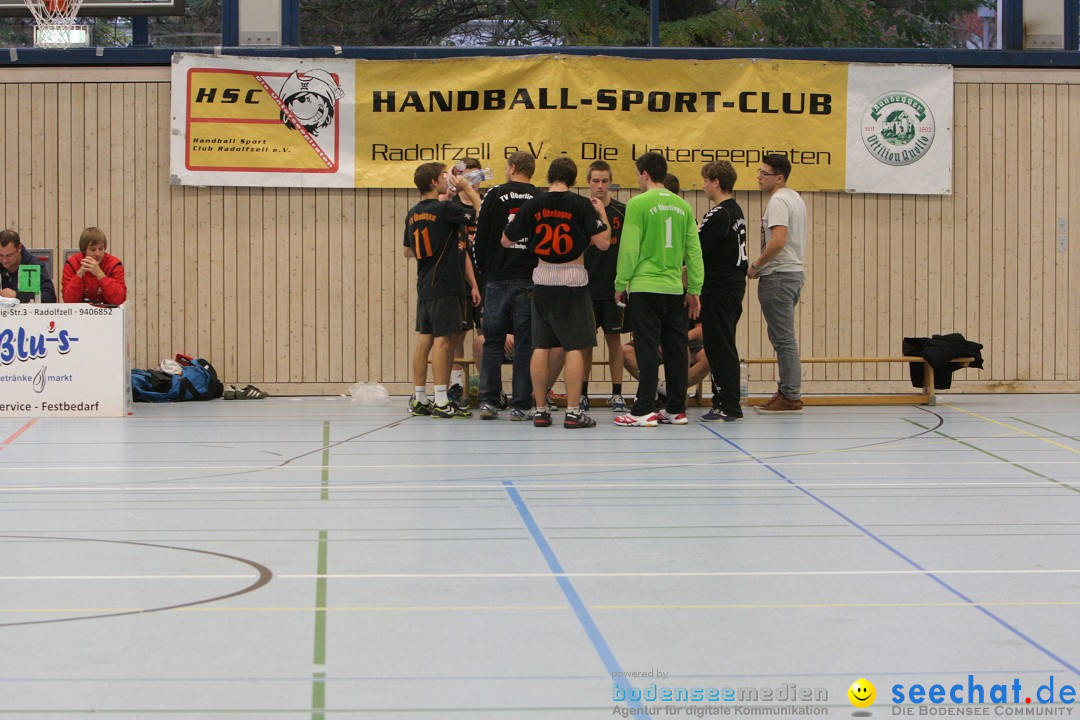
(744, 383)
(478, 176)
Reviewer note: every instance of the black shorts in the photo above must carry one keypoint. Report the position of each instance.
(443, 316)
(609, 316)
(562, 317)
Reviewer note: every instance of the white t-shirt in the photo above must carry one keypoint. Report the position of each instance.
(785, 207)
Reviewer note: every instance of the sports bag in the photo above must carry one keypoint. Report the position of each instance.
(198, 381)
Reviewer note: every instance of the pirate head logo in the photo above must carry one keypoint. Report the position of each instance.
(309, 98)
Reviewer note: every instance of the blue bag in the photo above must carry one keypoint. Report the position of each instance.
(198, 381)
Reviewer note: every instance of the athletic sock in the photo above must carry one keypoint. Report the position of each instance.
(441, 397)
(457, 377)
(421, 394)
(616, 388)
(573, 410)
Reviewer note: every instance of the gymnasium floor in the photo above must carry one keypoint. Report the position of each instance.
(310, 558)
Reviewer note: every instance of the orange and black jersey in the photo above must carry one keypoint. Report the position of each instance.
(556, 226)
(433, 231)
(602, 264)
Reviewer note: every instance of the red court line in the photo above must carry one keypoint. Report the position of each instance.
(17, 433)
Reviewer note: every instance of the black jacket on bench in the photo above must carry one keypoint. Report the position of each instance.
(938, 351)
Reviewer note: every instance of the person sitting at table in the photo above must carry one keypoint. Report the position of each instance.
(93, 275)
(12, 255)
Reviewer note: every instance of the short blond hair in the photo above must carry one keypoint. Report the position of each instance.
(91, 236)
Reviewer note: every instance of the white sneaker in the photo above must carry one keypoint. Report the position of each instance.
(666, 418)
(647, 420)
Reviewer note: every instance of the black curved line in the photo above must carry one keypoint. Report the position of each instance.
(265, 576)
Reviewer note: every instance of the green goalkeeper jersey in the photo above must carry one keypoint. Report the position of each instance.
(659, 236)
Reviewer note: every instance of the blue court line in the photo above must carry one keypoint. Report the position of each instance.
(895, 551)
(614, 670)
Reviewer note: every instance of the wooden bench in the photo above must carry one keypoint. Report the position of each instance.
(926, 397)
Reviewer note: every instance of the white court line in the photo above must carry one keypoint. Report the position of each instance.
(674, 462)
(495, 485)
(541, 576)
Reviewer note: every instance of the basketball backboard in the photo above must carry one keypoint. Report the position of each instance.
(105, 8)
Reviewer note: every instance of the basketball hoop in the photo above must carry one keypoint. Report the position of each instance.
(56, 26)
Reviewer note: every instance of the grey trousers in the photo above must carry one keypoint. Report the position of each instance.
(778, 294)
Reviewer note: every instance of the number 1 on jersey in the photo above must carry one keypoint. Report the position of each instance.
(667, 232)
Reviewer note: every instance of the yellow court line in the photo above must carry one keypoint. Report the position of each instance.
(1014, 428)
(527, 608)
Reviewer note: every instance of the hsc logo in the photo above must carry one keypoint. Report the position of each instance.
(18, 344)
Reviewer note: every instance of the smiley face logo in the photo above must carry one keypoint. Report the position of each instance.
(862, 693)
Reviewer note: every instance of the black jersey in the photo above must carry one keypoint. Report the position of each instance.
(602, 264)
(433, 229)
(491, 259)
(723, 246)
(556, 226)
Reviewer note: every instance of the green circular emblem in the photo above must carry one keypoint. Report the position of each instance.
(898, 128)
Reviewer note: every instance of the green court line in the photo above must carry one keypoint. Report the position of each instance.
(1037, 474)
(325, 495)
(1049, 430)
(318, 688)
(318, 697)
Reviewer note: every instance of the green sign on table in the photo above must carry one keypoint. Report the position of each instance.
(29, 278)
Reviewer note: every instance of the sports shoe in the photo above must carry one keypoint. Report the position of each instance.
(551, 406)
(718, 414)
(779, 404)
(517, 415)
(584, 403)
(504, 402)
(646, 420)
(454, 393)
(541, 418)
(420, 409)
(666, 418)
(618, 404)
(451, 411)
(578, 420)
(488, 411)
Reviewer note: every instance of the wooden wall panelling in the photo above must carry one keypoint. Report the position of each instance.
(1008, 196)
(139, 210)
(213, 270)
(354, 287)
(1072, 191)
(373, 245)
(857, 285)
(841, 318)
(289, 274)
(1047, 205)
(36, 234)
(267, 249)
(1061, 212)
(329, 311)
(9, 151)
(994, 241)
(1023, 196)
(969, 298)
(240, 368)
(817, 290)
(227, 278)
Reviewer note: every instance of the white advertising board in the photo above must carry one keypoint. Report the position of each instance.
(63, 361)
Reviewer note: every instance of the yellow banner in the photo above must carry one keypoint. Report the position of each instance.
(602, 108)
(239, 120)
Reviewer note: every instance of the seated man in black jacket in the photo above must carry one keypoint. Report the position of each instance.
(12, 255)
